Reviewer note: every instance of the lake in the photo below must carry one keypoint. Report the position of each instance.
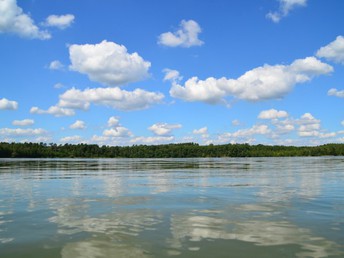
(225, 207)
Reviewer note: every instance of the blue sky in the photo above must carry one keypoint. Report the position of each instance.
(151, 72)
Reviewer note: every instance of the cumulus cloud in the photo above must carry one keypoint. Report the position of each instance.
(24, 122)
(254, 130)
(22, 132)
(6, 104)
(116, 130)
(152, 140)
(185, 36)
(59, 86)
(261, 83)
(53, 110)
(110, 140)
(246, 135)
(42, 139)
(113, 121)
(280, 130)
(336, 93)
(283, 126)
(236, 122)
(14, 20)
(59, 21)
(203, 130)
(108, 63)
(111, 97)
(78, 124)
(172, 75)
(56, 65)
(163, 129)
(72, 139)
(272, 114)
(333, 51)
(209, 90)
(308, 125)
(285, 7)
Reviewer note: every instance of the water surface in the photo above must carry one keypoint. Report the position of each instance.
(247, 207)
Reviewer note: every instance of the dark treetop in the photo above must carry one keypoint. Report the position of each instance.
(182, 150)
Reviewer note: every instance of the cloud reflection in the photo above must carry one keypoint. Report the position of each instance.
(124, 208)
(97, 248)
(260, 232)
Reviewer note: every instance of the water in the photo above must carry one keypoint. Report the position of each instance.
(249, 207)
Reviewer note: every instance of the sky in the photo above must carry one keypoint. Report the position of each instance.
(130, 72)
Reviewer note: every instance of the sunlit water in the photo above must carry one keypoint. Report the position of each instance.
(249, 207)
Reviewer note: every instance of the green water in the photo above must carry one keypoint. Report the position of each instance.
(254, 207)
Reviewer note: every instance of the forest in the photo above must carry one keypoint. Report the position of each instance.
(181, 150)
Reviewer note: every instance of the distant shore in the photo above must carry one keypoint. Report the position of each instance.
(181, 150)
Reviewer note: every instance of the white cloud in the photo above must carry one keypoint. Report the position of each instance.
(308, 118)
(272, 114)
(203, 130)
(22, 132)
(118, 131)
(78, 125)
(72, 139)
(56, 65)
(185, 36)
(24, 122)
(254, 130)
(279, 131)
(246, 135)
(152, 140)
(6, 104)
(59, 21)
(163, 129)
(172, 75)
(285, 7)
(109, 140)
(100, 140)
(111, 97)
(59, 86)
(236, 122)
(261, 83)
(283, 126)
(333, 51)
(327, 135)
(53, 110)
(108, 63)
(42, 139)
(342, 123)
(308, 126)
(209, 90)
(77, 99)
(14, 20)
(113, 121)
(336, 93)
(274, 16)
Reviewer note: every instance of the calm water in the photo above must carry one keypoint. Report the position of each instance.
(255, 207)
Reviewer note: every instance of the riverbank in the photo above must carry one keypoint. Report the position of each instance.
(182, 150)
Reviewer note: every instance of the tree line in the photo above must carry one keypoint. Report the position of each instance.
(181, 150)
